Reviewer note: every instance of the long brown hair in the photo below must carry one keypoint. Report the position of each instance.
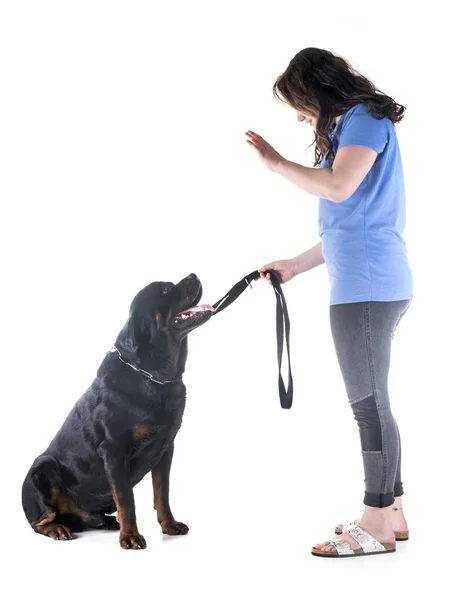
(322, 83)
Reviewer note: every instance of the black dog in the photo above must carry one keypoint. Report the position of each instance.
(123, 426)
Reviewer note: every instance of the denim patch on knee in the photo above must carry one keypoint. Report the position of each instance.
(367, 416)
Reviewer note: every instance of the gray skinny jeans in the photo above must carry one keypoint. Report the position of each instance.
(362, 334)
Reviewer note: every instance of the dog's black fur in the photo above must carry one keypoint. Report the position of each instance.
(122, 427)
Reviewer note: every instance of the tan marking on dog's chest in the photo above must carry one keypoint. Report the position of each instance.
(143, 430)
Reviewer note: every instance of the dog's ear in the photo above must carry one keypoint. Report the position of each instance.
(130, 337)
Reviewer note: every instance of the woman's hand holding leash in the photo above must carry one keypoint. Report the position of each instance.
(283, 269)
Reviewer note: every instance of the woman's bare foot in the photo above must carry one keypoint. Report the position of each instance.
(399, 523)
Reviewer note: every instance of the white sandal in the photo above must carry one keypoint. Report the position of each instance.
(367, 543)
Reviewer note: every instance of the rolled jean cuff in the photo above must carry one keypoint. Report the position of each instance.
(398, 490)
(378, 500)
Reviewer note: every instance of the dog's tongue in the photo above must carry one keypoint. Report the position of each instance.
(201, 308)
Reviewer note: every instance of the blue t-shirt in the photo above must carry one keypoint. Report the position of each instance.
(362, 237)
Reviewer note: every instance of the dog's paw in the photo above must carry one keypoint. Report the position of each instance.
(132, 541)
(56, 532)
(174, 528)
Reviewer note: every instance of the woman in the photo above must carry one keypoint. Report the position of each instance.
(361, 222)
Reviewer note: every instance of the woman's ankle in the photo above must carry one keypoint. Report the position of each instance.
(378, 517)
(397, 503)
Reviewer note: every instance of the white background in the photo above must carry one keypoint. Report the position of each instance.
(124, 162)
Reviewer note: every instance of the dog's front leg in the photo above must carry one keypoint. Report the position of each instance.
(117, 471)
(161, 485)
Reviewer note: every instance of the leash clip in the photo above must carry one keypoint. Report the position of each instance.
(248, 283)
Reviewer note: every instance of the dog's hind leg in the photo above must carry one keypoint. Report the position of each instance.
(41, 499)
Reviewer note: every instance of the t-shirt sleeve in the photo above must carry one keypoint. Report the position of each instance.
(363, 129)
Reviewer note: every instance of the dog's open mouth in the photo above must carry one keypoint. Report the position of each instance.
(192, 314)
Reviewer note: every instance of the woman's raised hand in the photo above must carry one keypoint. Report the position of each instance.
(268, 155)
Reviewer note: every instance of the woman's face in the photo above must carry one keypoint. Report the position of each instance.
(310, 118)
(307, 117)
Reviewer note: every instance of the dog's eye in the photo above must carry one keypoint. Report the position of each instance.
(165, 291)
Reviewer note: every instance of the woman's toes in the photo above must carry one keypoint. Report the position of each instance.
(324, 546)
(320, 546)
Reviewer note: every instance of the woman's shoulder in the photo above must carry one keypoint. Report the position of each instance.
(360, 127)
(361, 116)
(363, 110)
(359, 110)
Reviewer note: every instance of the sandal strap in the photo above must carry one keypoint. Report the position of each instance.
(365, 540)
(342, 546)
(348, 526)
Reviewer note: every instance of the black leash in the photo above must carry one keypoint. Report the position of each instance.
(282, 322)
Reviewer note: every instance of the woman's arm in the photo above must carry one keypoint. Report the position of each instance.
(350, 167)
(288, 268)
(308, 260)
(338, 183)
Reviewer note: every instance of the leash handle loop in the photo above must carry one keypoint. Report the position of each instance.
(282, 326)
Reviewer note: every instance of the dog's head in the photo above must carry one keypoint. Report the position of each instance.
(165, 312)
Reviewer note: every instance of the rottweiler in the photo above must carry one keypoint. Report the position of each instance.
(123, 426)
